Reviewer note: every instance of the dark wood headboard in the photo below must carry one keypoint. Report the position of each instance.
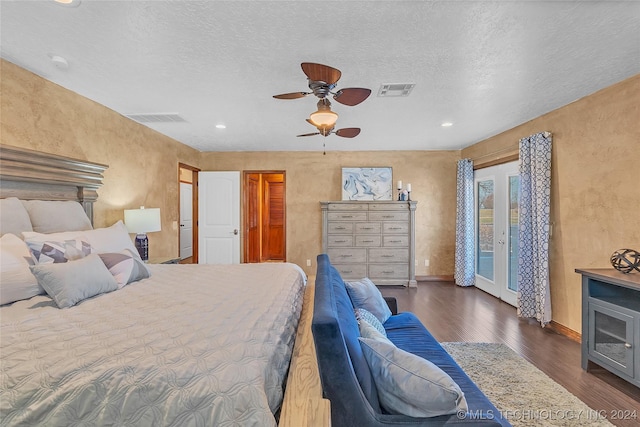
(33, 175)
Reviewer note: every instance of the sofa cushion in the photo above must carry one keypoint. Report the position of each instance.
(365, 294)
(410, 385)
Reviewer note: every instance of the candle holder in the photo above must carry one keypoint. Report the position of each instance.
(408, 195)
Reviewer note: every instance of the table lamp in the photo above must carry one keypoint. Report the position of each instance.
(142, 221)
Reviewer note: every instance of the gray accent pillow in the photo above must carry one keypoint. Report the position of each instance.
(125, 268)
(365, 294)
(365, 316)
(410, 385)
(14, 218)
(71, 282)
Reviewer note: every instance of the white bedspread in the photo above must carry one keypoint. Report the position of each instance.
(194, 345)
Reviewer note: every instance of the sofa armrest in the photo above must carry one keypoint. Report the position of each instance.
(392, 303)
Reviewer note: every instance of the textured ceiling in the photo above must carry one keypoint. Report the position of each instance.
(485, 66)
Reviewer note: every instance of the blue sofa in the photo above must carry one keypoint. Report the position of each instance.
(344, 373)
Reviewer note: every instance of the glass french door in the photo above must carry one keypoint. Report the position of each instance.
(497, 190)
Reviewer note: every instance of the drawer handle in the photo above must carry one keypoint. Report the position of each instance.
(367, 228)
(627, 345)
(395, 228)
(388, 256)
(367, 241)
(388, 272)
(341, 241)
(346, 216)
(347, 271)
(395, 241)
(388, 216)
(346, 256)
(341, 228)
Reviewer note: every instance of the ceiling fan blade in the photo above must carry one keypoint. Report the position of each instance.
(309, 134)
(348, 132)
(292, 95)
(352, 95)
(321, 73)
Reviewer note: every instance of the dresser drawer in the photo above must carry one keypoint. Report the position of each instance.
(389, 216)
(351, 271)
(388, 271)
(401, 240)
(368, 227)
(382, 255)
(347, 207)
(388, 206)
(368, 240)
(347, 216)
(340, 227)
(395, 227)
(337, 240)
(347, 256)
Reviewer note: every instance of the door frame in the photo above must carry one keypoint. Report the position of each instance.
(194, 208)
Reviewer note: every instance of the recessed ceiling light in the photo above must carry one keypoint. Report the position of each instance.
(68, 3)
(221, 126)
(446, 124)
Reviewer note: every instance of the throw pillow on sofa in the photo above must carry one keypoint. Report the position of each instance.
(366, 316)
(365, 294)
(410, 385)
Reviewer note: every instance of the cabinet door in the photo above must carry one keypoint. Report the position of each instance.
(611, 336)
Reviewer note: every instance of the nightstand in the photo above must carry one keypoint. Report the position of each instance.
(163, 260)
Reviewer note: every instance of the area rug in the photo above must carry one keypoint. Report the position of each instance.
(525, 395)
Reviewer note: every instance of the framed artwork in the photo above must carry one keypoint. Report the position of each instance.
(367, 184)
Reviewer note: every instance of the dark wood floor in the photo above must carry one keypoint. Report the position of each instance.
(453, 313)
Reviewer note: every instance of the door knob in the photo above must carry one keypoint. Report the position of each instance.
(235, 231)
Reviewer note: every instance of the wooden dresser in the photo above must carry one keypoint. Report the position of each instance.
(371, 239)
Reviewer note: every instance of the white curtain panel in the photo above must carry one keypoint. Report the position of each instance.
(534, 300)
(465, 238)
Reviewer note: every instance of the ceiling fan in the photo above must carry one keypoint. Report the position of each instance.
(322, 80)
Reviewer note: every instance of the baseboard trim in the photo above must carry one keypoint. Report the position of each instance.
(434, 278)
(567, 332)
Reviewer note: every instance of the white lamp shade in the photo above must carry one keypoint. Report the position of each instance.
(325, 118)
(142, 220)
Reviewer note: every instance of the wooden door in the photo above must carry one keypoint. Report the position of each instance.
(264, 216)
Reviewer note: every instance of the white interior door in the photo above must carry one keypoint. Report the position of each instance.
(219, 217)
(186, 220)
(496, 211)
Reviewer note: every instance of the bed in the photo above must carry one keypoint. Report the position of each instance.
(179, 345)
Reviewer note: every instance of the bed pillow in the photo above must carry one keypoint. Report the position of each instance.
(14, 218)
(364, 316)
(54, 216)
(410, 385)
(102, 240)
(16, 281)
(57, 252)
(365, 294)
(125, 267)
(71, 282)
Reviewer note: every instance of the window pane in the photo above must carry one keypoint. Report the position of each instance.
(485, 223)
(514, 209)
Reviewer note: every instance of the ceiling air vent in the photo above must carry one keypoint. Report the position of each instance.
(156, 118)
(395, 89)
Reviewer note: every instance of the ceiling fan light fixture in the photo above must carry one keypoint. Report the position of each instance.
(324, 118)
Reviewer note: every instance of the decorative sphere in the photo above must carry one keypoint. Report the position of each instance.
(626, 260)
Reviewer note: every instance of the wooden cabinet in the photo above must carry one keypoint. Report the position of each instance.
(371, 239)
(611, 321)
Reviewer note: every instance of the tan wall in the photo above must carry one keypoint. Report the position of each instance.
(143, 164)
(595, 195)
(312, 177)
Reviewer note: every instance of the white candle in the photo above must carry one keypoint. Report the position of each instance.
(408, 187)
(399, 185)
